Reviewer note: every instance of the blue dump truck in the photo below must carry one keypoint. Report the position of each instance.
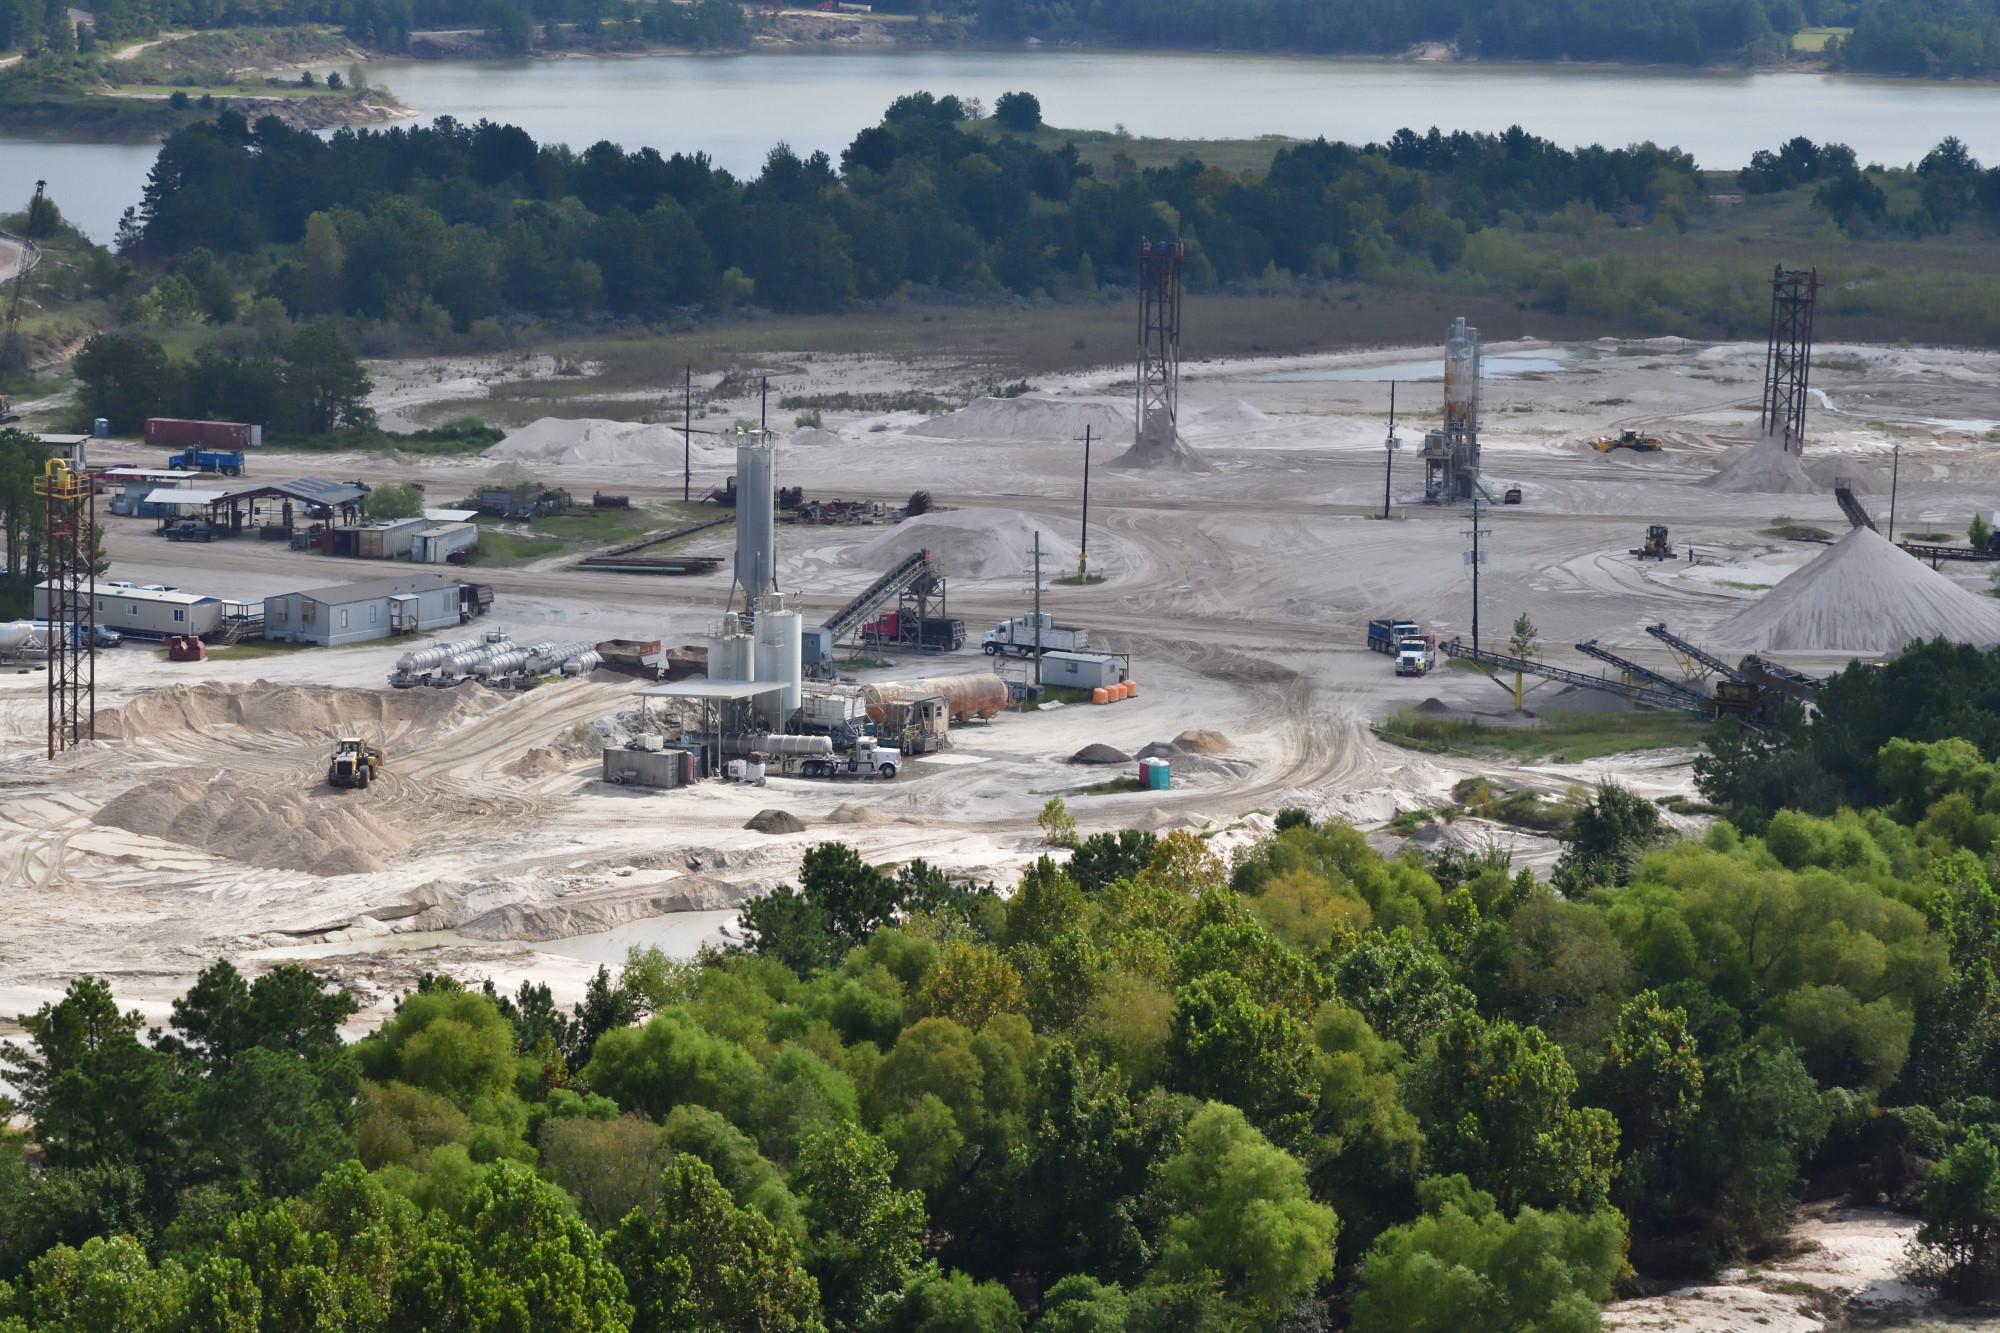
(1386, 636)
(229, 462)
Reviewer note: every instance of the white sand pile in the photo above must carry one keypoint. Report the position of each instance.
(970, 543)
(594, 442)
(1234, 415)
(1863, 595)
(290, 710)
(538, 762)
(812, 437)
(1028, 418)
(319, 831)
(850, 813)
(1765, 467)
(1161, 446)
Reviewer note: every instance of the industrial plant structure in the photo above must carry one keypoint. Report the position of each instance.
(1788, 355)
(756, 520)
(1451, 455)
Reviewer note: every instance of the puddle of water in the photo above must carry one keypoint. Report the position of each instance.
(1490, 368)
(677, 934)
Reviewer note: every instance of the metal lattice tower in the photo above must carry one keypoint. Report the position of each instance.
(1788, 359)
(72, 612)
(1159, 391)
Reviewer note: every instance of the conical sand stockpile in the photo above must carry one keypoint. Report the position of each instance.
(1767, 468)
(1161, 446)
(1864, 595)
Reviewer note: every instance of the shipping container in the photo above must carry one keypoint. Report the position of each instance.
(175, 432)
(645, 768)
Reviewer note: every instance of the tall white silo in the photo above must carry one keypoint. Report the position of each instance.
(756, 519)
(778, 633)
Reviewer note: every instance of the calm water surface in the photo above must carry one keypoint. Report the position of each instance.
(735, 107)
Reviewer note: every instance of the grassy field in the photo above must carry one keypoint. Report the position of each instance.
(1812, 41)
(1111, 152)
(1563, 738)
(582, 530)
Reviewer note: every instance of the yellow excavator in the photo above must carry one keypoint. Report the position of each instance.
(355, 763)
(1626, 439)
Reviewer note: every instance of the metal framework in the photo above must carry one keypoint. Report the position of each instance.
(72, 585)
(1159, 386)
(1451, 455)
(1788, 357)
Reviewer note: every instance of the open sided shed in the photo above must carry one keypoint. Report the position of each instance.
(288, 504)
(723, 706)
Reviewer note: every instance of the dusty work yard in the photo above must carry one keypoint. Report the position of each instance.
(199, 824)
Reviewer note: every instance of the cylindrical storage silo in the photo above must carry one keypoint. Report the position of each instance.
(777, 654)
(756, 520)
(730, 655)
(1461, 377)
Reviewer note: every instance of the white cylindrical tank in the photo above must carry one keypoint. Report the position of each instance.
(751, 743)
(499, 664)
(582, 664)
(756, 520)
(19, 635)
(778, 631)
(730, 655)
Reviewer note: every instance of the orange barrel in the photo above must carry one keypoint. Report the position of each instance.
(1131, 688)
(1100, 695)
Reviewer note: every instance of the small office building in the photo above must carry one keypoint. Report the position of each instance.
(1083, 671)
(356, 612)
(148, 613)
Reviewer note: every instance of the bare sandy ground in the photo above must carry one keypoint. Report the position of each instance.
(1241, 593)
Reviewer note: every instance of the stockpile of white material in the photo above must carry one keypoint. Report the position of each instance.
(1029, 418)
(1863, 595)
(594, 442)
(970, 543)
(813, 436)
(1766, 467)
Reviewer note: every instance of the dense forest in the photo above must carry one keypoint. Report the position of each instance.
(1925, 37)
(1313, 1089)
(448, 228)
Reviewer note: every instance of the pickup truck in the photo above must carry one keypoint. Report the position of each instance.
(1386, 636)
(190, 530)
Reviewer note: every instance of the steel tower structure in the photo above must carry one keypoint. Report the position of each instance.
(72, 614)
(1159, 387)
(1788, 357)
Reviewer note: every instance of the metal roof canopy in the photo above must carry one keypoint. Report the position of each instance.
(172, 495)
(145, 474)
(450, 515)
(715, 690)
(313, 490)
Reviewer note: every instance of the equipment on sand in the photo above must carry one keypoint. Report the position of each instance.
(1626, 439)
(355, 763)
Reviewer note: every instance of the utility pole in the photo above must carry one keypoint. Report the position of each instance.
(1390, 467)
(687, 433)
(764, 406)
(1083, 536)
(1038, 608)
(1475, 558)
(1895, 472)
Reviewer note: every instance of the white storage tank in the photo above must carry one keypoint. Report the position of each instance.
(756, 520)
(730, 654)
(778, 631)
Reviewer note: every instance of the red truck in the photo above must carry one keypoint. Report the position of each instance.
(175, 432)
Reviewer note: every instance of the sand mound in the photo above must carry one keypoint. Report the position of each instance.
(775, 821)
(813, 437)
(1028, 418)
(1577, 699)
(850, 813)
(1233, 415)
(595, 442)
(539, 762)
(1100, 753)
(1862, 595)
(265, 706)
(973, 543)
(321, 832)
(1766, 467)
(1199, 741)
(1432, 705)
(1161, 447)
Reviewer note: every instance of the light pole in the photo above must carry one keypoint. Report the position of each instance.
(1389, 467)
(1895, 474)
(1083, 537)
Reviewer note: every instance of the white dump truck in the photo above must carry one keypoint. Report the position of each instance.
(1416, 655)
(1022, 638)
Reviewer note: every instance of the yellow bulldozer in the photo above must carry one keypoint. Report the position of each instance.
(355, 763)
(1636, 441)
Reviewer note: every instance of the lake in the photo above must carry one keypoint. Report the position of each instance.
(736, 106)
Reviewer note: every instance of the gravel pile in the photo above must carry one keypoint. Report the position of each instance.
(1765, 468)
(1863, 595)
(775, 821)
(976, 543)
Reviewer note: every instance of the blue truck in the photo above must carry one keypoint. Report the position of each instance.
(229, 462)
(1386, 636)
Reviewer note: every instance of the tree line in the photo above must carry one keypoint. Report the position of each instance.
(458, 223)
(1317, 1088)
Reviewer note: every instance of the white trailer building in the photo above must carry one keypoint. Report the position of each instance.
(355, 612)
(152, 613)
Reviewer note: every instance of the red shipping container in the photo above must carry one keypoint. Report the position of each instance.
(175, 432)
